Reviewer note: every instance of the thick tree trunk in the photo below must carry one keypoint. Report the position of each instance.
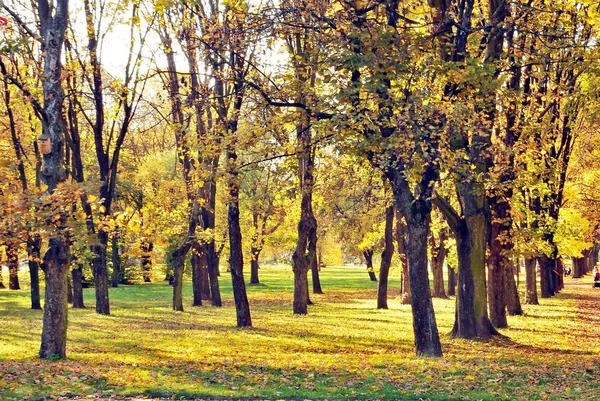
(12, 254)
(147, 247)
(236, 259)
(54, 331)
(53, 23)
(511, 294)
(471, 302)
(77, 276)
(531, 297)
(578, 267)
(451, 281)
(427, 340)
(498, 262)
(386, 258)
(254, 266)
(101, 274)
(33, 252)
(178, 267)
(200, 280)
(546, 276)
(116, 261)
(368, 255)
(2, 286)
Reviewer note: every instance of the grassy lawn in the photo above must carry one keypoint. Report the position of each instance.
(343, 349)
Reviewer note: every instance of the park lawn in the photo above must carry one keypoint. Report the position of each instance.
(344, 348)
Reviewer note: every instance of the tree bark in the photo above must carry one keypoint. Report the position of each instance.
(12, 254)
(471, 302)
(451, 281)
(498, 261)
(546, 265)
(33, 251)
(69, 290)
(511, 294)
(316, 279)
(178, 267)
(147, 247)
(307, 226)
(54, 331)
(116, 261)
(578, 267)
(213, 274)
(437, 264)
(196, 263)
(405, 295)
(101, 274)
(424, 325)
(53, 22)
(531, 297)
(255, 253)
(559, 275)
(2, 286)
(77, 276)
(368, 255)
(236, 259)
(386, 258)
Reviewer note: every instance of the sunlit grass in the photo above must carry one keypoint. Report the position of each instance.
(344, 348)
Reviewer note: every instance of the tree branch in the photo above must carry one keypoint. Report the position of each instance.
(451, 216)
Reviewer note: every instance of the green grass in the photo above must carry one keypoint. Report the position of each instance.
(344, 348)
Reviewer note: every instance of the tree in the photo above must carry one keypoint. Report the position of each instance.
(53, 22)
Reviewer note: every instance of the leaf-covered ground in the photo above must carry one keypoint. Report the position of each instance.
(344, 348)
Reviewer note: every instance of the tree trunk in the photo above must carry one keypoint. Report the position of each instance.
(69, 290)
(116, 261)
(196, 277)
(213, 274)
(54, 331)
(53, 23)
(368, 255)
(511, 295)
(471, 302)
(437, 264)
(546, 272)
(559, 274)
(578, 267)
(33, 252)
(12, 254)
(316, 279)
(147, 247)
(498, 261)
(531, 297)
(101, 274)
(2, 286)
(405, 295)
(236, 259)
(178, 267)
(386, 258)
(451, 281)
(427, 339)
(77, 276)
(255, 253)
